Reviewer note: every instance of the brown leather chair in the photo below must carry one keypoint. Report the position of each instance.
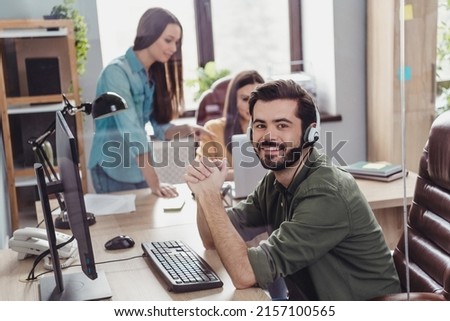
(211, 102)
(428, 223)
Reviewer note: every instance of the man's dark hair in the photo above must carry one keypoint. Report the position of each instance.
(286, 89)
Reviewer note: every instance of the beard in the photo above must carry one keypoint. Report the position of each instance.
(278, 163)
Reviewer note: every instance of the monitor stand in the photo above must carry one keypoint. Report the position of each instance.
(77, 287)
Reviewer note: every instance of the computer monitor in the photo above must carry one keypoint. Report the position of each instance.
(90, 284)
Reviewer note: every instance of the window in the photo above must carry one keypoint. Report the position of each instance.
(236, 34)
(269, 34)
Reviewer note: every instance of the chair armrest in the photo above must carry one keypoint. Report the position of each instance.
(413, 296)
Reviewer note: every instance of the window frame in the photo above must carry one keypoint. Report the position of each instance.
(205, 39)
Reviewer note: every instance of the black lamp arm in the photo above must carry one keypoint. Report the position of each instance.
(37, 143)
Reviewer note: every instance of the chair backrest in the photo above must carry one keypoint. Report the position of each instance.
(212, 101)
(429, 218)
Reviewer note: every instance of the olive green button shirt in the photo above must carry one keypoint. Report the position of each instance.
(323, 240)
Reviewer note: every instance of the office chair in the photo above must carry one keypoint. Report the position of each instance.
(428, 223)
(211, 102)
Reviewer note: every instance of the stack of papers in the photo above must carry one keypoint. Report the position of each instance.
(380, 171)
(106, 204)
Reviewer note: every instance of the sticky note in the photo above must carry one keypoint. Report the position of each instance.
(406, 73)
(408, 12)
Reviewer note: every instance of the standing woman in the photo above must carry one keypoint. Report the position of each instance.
(149, 77)
(235, 120)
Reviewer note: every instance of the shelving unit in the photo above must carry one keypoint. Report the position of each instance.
(29, 39)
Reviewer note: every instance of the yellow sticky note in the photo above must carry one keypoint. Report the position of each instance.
(408, 12)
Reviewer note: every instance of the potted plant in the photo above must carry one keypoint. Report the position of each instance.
(206, 76)
(67, 11)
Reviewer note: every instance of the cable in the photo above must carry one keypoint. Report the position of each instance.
(299, 165)
(35, 277)
(44, 254)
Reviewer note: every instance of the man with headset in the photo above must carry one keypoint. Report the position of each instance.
(324, 240)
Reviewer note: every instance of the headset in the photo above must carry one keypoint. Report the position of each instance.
(311, 135)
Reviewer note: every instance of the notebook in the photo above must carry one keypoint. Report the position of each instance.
(248, 170)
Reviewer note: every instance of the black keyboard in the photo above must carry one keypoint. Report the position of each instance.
(181, 268)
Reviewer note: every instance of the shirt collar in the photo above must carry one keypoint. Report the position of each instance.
(135, 64)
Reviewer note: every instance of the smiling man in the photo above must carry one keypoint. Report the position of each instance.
(324, 240)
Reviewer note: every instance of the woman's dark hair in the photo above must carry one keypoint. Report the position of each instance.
(230, 112)
(287, 89)
(168, 77)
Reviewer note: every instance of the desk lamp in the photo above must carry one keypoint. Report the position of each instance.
(104, 105)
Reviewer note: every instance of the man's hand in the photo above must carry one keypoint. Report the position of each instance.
(205, 175)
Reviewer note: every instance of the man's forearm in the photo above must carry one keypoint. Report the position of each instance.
(230, 246)
(203, 229)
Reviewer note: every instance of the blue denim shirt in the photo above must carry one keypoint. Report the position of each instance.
(120, 138)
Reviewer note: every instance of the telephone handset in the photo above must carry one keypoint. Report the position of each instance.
(33, 241)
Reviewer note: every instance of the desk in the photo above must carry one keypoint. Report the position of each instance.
(386, 201)
(134, 279)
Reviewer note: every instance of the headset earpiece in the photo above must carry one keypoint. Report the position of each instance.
(312, 134)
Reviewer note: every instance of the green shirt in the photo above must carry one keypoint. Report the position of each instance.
(323, 239)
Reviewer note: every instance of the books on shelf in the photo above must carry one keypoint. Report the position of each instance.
(380, 171)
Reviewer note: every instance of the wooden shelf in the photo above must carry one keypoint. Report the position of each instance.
(20, 40)
(33, 33)
(30, 109)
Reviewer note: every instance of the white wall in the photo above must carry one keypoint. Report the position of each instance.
(339, 65)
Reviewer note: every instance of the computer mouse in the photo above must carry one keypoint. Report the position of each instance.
(119, 242)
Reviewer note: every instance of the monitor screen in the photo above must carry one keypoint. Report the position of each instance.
(67, 160)
(88, 285)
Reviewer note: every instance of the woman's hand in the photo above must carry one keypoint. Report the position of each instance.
(159, 189)
(165, 190)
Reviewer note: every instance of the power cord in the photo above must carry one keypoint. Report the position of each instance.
(298, 167)
(32, 277)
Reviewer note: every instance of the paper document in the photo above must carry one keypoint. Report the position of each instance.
(172, 204)
(105, 204)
